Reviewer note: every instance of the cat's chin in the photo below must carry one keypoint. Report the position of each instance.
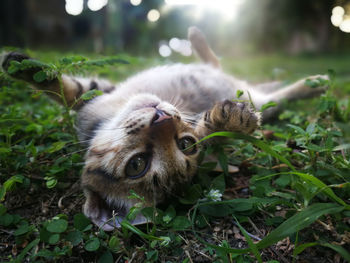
(108, 214)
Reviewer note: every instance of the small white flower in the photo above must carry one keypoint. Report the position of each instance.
(214, 195)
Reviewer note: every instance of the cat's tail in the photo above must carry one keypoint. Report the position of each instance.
(67, 90)
(201, 47)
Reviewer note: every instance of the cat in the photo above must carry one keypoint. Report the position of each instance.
(141, 133)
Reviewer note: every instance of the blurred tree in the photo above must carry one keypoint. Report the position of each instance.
(296, 26)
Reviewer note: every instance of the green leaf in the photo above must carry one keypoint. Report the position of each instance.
(24, 228)
(314, 83)
(218, 183)
(53, 239)
(44, 235)
(80, 221)
(263, 146)
(268, 105)
(345, 146)
(239, 93)
(9, 185)
(322, 186)
(40, 76)
(223, 161)
(14, 67)
(51, 182)
(5, 150)
(298, 222)
(75, 237)
(283, 180)
(192, 194)
(180, 223)
(134, 211)
(92, 245)
(152, 255)
(33, 63)
(2, 193)
(3, 209)
(56, 147)
(227, 207)
(106, 257)
(297, 129)
(57, 226)
(169, 214)
(6, 220)
(91, 94)
(113, 243)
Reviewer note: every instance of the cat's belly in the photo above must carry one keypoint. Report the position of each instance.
(191, 88)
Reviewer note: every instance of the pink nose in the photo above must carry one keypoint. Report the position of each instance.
(160, 116)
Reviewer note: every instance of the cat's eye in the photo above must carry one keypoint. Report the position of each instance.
(185, 144)
(137, 166)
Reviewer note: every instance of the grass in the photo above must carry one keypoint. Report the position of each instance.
(288, 203)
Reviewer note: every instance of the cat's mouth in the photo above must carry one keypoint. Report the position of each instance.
(111, 213)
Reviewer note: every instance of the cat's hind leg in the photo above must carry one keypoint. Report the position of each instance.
(201, 47)
(66, 90)
(302, 89)
(269, 86)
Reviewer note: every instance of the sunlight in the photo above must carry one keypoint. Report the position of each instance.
(74, 7)
(153, 15)
(228, 8)
(164, 50)
(338, 10)
(95, 5)
(135, 2)
(182, 46)
(345, 26)
(336, 20)
(340, 19)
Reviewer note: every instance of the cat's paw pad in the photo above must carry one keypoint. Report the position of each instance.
(234, 116)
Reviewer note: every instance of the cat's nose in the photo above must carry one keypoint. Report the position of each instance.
(160, 116)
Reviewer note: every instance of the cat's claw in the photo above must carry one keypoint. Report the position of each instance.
(233, 116)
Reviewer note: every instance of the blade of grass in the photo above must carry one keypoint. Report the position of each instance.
(263, 146)
(26, 250)
(252, 246)
(316, 182)
(342, 251)
(137, 231)
(302, 247)
(339, 249)
(298, 222)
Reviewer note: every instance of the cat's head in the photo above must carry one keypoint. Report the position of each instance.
(146, 148)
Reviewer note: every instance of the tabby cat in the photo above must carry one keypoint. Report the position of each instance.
(140, 133)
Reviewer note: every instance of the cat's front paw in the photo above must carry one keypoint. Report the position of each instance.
(232, 116)
(7, 58)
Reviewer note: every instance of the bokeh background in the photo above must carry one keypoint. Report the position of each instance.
(158, 27)
(258, 40)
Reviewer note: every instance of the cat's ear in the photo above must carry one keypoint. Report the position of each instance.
(201, 47)
(108, 215)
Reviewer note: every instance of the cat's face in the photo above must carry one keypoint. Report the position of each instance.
(144, 148)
